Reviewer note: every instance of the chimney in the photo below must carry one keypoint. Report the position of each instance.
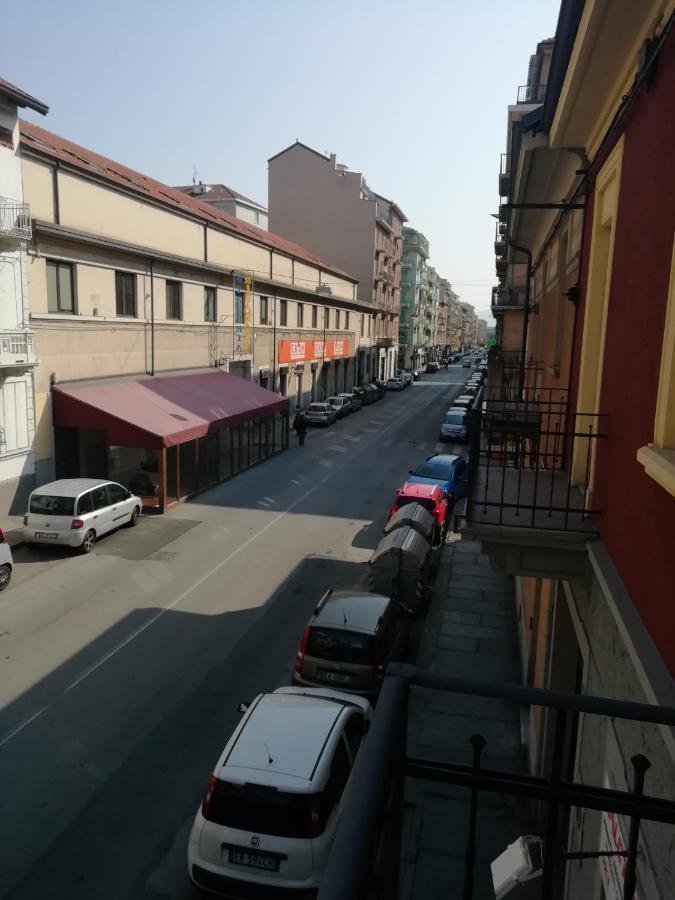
(333, 159)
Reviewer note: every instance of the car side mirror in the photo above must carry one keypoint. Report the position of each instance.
(243, 707)
(410, 472)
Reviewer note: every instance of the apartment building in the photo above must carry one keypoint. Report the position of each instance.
(227, 200)
(414, 299)
(17, 354)
(581, 506)
(172, 338)
(319, 203)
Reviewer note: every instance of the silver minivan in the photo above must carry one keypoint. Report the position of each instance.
(75, 512)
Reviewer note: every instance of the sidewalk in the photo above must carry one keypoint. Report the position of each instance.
(470, 632)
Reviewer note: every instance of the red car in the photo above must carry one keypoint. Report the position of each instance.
(430, 496)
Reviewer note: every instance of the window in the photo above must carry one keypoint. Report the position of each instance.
(338, 645)
(99, 497)
(301, 315)
(283, 313)
(259, 808)
(85, 504)
(337, 318)
(264, 310)
(209, 304)
(362, 325)
(369, 325)
(315, 317)
(326, 317)
(50, 505)
(60, 298)
(125, 294)
(337, 781)
(238, 308)
(347, 320)
(116, 493)
(173, 300)
(354, 733)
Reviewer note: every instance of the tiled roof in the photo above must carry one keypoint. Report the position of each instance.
(21, 98)
(48, 144)
(217, 192)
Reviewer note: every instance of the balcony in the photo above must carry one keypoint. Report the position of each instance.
(504, 174)
(15, 219)
(531, 93)
(16, 349)
(510, 297)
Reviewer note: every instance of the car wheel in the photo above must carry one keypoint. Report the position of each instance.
(5, 576)
(88, 541)
(133, 520)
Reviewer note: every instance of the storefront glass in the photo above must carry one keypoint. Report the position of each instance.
(137, 468)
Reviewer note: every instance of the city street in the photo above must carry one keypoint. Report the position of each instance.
(122, 670)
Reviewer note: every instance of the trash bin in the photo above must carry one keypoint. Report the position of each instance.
(415, 516)
(400, 567)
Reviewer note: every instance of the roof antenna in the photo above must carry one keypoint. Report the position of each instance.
(269, 756)
(194, 174)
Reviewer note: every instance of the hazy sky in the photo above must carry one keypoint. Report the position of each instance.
(412, 94)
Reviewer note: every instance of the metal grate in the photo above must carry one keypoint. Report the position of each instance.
(15, 218)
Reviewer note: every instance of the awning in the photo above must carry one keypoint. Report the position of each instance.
(162, 411)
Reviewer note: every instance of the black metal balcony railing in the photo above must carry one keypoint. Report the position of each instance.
(531, 93)
(530, 460)
(364, 859)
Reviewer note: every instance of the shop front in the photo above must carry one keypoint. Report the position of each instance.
(169, 437)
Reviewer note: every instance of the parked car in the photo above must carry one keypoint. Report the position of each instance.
(464, 400)
(466, 363)
(447, 470)
(353, 398)
(6, 562)
(365, 396)
(320, 414)
(471, 389)
(394, 384)
(430, 496)
(341, 405)
(268, 818)
(405, 377)
(431, 367)
(76, 512)
(349, 641)
(455, 426)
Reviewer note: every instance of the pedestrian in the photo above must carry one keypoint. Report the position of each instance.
(300, 426)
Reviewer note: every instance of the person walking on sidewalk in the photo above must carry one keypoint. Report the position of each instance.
(300, 426)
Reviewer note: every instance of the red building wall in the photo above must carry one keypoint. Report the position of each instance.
(637, 524)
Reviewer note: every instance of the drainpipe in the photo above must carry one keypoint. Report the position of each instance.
(152, 319)
(526, 317)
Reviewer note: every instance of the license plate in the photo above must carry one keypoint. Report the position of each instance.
(336, 677)
(253, 859)
(52, 535)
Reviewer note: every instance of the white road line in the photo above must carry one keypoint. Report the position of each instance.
(200, 581)
(23, 725)
(337, 449)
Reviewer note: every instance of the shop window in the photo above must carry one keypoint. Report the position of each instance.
(60, 293)
(174, 305)
(187, 468)
(137, 468)
(125, 294)
(225, 454)
(236, 457)
(210, 313)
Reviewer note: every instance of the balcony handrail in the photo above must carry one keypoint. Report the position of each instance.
(15, 218)
(531, 93)
(504, 163)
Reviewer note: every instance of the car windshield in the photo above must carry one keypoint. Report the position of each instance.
(454, 419)
(47, 504)
(316, 407)
(423, 501)
(262, 809)
(340, 646)
(430, 469)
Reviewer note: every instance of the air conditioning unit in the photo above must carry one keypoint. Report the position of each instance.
(323, 289)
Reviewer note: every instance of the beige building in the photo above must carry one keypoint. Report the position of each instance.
(133, 279)
(319, 203)
(227, 200)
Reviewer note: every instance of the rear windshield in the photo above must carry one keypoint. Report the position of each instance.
(427, 504)
(316, 407)
(46, 504)
(341, 646)
(432, 470)
(262, 809)
(454, 419)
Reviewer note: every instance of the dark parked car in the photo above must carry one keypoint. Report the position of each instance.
(445, 469)
(431, 368)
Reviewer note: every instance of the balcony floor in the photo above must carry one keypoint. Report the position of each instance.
(525, 498)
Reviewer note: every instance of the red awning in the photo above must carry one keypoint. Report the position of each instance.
(164, 410)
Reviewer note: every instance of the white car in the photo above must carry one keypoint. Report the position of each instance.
(394, 384)
(6, 562)
(272, 805)
(75, 512)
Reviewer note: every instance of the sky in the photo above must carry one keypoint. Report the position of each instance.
(412, 94)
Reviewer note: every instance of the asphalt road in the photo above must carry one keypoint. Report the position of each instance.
(122, 670)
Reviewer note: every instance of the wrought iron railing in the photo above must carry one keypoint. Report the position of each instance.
(531, 93)
(365, 856)
(15, 218)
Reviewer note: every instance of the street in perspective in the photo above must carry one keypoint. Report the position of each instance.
(337, 487)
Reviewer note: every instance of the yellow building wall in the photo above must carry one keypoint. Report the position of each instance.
(231, 252)
(37, 189)
(96, 209)
(95, 291)
(305, 276)
(282, 268)
(193, 302)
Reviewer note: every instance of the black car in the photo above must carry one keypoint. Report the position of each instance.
(431, 368)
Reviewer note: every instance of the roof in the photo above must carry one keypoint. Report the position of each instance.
(70, 487)
(362, 611)
(46, 143)
(412, 489)
(21, 98)
(292, 727)
(162, 411)
(217, 192)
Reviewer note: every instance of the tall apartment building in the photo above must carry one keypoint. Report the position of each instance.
(17, 355)
(319, 203)
(414, 299)
(581, 506)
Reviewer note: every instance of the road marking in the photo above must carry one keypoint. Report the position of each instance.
(326, 463)
(198, 583)
(23, 725)
(337, 449)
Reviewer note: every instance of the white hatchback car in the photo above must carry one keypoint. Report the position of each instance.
(6, 562)
(75, 512)
(269, 814)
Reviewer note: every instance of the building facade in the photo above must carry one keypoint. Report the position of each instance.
(17, 353)
(583, 511)
(133, 280)
(414, 299)
(228, 200)
(319, 203)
